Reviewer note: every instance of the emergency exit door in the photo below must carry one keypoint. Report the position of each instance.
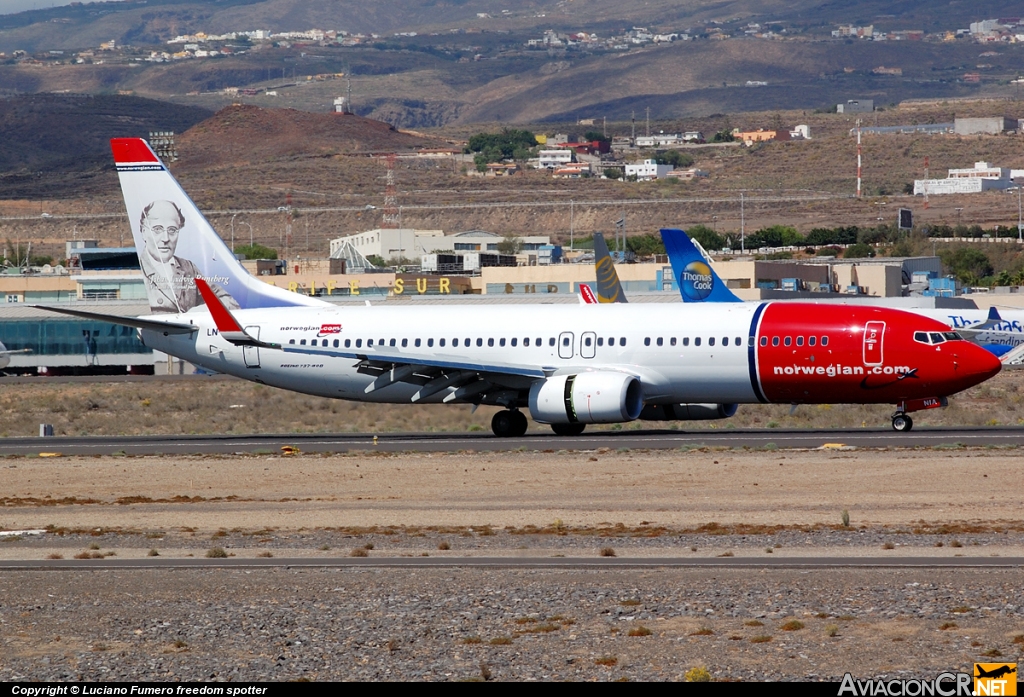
(874, 332)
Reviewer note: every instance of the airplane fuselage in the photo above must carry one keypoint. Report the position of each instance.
(736, 353)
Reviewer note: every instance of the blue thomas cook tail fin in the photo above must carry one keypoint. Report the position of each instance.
(697, 281)
(176, 244)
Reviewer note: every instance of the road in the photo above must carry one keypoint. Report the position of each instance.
(455, 442)
(578, 563)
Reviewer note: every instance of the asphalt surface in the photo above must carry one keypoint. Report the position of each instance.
(455, 442)
(150, 563)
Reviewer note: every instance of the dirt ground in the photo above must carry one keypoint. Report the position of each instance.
(577, 491)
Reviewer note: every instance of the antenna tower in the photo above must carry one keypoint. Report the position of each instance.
(390, 217)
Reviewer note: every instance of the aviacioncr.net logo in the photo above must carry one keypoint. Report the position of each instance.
(696, 281)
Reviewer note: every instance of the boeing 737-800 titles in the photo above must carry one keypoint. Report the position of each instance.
(568, 365)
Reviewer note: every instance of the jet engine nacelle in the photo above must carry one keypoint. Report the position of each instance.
(599, 397)
(687, 412)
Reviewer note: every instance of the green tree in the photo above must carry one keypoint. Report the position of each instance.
(510, 245)
(774, 236)
(645, 245)
(674, 158)
(256, 251)
(376, 260)
(591, 136)
(708, 238)
(505, 145)
(723, 136)
(613, 173)
(860, 250)
(966, 263)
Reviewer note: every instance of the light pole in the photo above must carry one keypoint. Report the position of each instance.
(958, 212)
(743, 249)
(233, 232)
(250, 231)
(1020, 236)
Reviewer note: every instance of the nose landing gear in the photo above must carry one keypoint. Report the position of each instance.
(510, 423)
(901, 422)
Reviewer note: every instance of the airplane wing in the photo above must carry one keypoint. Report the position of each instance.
(136, 322)
(992, 320)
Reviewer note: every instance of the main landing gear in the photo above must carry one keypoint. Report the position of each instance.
(510, 423)
(901, 422)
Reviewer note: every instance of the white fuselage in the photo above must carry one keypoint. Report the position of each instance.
(1008, 332)
(549, 339)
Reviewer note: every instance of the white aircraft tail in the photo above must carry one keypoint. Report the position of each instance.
(176, 244)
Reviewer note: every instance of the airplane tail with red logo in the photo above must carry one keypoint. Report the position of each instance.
(176, 244)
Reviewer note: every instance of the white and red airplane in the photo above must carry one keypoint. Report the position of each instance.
(568, 365)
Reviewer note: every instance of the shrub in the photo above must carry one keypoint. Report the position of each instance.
(216, 553)
(697, 674)
(792, 626)
(359, 552)
(607, 661)
(607, 552)
(639, 631)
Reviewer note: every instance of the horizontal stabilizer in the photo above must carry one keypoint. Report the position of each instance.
(136, 322)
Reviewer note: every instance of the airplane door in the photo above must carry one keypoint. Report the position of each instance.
(588, 344)
(873, 333)
(251, 354)
(565, 347)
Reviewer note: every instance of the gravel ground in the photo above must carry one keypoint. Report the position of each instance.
(372, 624)
(512, 624)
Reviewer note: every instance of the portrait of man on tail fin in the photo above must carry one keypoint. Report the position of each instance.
(170, 279)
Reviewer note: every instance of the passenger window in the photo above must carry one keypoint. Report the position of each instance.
(526, 341)
(514, 340)
(799, 341)
(764, 340)
(672, 341)
(647, 341)
(551, 341)
(696, 341)
(775, 341)
(540, 342)
(738, 342)
(711, 341)
(600, 341)
(622, 341)
(369, 342)
(824, 341)
(291, 341)
(380, 342)
(430, 342)
(302, 342)
(391, 343)
(725, 341)
(348, 343)
(359, 343)
(501, 342)
(455, 342)
(565, 341)
(789, 341)
(479, 342)
(661, 342)
(586, 342)
(686, 341)
(490, 342)
(313, 342)
(336, 342)
(405, 342)
(811, 340)
(417, 343)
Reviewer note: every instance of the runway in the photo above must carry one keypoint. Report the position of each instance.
(579, 563)
(1009, 436)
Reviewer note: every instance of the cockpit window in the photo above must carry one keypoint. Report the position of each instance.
(936, 337)
(952, 336)
(921, 336)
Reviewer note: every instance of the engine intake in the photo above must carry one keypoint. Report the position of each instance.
(599, 397)
(687, 412)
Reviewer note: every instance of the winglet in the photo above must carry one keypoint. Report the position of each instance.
(993, 314)
(587, 295)
(227, 326)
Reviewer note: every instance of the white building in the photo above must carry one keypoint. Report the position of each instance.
(553, 159)
(982, 177)
(659, 140)
(412, 244)
(647, 170)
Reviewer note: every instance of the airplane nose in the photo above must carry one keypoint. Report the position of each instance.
(980, 363)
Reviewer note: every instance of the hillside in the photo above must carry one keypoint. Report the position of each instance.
(54, 145)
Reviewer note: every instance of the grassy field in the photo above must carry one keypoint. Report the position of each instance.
(232, 406)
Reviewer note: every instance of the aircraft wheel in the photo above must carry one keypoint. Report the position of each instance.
(568, 429)
(519, 424)
(902, 423)
(504, 424)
